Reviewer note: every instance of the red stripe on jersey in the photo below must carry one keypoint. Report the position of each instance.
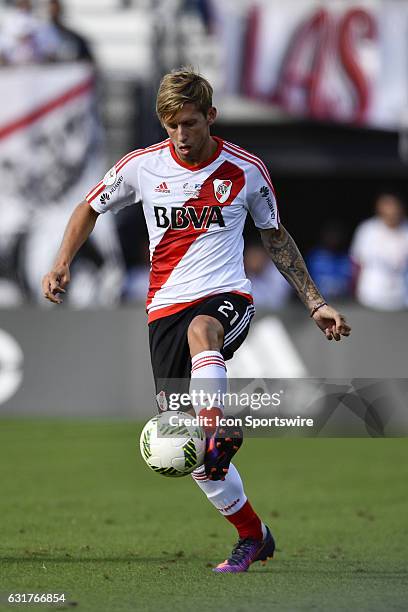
(90, 193)
(245, 152)
(245, 295)
(138, 154)
(91, 198)
(155, 147)
(254, 160)
(175, 243)
(166, 311)
(97, 190)
(250, 155)
(241, 154)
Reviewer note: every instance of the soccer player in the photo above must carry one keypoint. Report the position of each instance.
(196, 191)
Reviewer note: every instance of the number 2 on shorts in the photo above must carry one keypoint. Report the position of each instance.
(226, 309)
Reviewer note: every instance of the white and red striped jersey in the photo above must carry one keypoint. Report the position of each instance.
(195, 218)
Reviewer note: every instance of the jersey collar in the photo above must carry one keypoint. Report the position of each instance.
(203, 164)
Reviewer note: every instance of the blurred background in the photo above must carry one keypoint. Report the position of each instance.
(317, 89)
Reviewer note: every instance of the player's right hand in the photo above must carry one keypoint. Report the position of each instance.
(54, 283)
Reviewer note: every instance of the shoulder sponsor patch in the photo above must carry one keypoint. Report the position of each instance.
(110, 177)
(265, 193)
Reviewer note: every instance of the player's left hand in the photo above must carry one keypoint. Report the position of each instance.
(332, 323)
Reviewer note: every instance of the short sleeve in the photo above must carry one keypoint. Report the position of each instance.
(118, 188)
(261, 198)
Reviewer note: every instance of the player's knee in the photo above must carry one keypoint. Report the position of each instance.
(206, 332)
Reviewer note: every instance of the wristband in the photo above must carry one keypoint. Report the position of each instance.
(316, 308)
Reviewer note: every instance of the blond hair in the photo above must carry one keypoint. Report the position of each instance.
(179, 87)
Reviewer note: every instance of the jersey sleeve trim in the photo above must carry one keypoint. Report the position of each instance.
(99, 188)
(127, 158)
(93, 194)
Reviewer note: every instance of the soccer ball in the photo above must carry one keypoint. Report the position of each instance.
(169, 449)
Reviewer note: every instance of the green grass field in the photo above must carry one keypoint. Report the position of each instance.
(81, 514)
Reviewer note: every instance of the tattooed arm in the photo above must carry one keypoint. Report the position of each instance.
(283, 251)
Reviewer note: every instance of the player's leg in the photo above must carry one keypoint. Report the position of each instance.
(209, 383)
(208, 372)
(216, 331)
(210, 338)
(170, 356)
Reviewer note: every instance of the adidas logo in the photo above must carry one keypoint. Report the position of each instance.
(162, 188)
(104, 197)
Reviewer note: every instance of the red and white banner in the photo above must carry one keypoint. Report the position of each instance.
(48, 134)
(341, 60)
(51, 153)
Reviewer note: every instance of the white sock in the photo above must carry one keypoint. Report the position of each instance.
(229, 498)
(209, 376)
(226, 495)
(208, 373)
